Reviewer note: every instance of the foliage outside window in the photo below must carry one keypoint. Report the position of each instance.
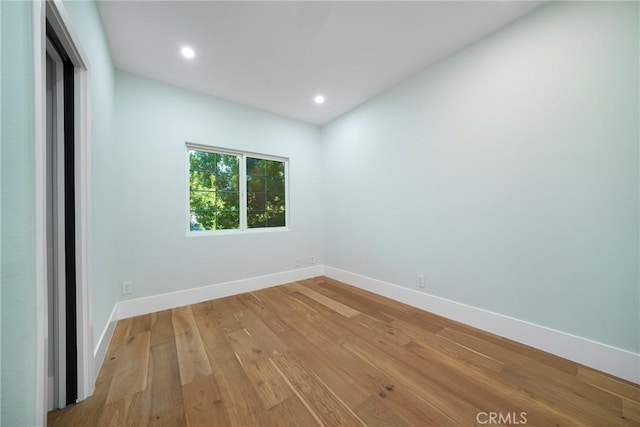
(265, 193)
(214, 191)
(235, 191)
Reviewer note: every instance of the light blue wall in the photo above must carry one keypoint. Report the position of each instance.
(153, 122)
(506, 174)
(18, 326)
(88, 27)
(18, 321)
(0, 216)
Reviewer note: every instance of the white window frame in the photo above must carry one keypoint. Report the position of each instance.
(242, 158)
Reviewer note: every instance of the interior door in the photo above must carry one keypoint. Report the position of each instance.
(60, 197)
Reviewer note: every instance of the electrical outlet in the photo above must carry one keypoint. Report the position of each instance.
(313, 259)
(298, 262)
(420, 281)
(127, 288)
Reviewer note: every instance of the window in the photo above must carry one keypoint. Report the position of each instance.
(265, 193)
(231, 190)
(214, 191)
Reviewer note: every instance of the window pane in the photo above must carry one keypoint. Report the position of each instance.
(265, 193)
(214, 196)
(275, 184)
(226, 163)
(228, 201)
(202, 160)
(275, 219)
(226, 182)
(202, 180)
(255, 167)
(256, 219)
(202, 200)
(274, 168)
(227, 220)
(275, 202)
(202, 221)
(256, 202)
(255, 184)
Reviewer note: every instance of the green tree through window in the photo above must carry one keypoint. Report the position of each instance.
(265, 193)
(214, 191)
(216, 183)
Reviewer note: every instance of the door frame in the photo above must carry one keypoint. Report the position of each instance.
(57, 396)
(54, 11)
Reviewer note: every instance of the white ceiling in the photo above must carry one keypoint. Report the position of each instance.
(276, 56)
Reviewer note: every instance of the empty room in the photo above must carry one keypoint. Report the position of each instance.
(359, 213)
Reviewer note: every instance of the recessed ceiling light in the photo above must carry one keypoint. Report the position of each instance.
(188, 52)
(319, 99)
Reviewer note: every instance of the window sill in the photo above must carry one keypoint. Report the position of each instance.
(237, 232)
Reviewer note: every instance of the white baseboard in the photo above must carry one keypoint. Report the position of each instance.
(621, 363)
(100, 352)
(139, 306)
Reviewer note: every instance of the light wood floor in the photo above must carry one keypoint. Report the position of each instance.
(319, 352)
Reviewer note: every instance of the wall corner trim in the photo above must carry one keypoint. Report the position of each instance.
(615, 361)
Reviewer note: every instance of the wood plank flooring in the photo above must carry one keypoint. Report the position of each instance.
(319, 352)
